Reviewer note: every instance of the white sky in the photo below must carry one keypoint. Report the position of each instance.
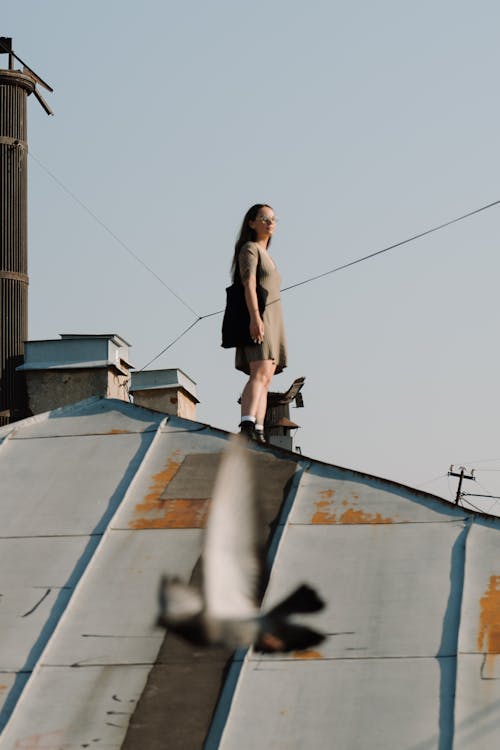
(361, 123)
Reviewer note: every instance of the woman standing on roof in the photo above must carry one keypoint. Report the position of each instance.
(268, 354)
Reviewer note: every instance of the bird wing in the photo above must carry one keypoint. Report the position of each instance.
(178, 601)
(231, 565)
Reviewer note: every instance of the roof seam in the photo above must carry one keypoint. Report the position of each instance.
(222, 711)
(457, 580)
(299, 660)
(85, 434)
(457, 519)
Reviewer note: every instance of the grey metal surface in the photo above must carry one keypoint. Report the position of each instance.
(75, 708)
(76, 351)
(373, 704)
(478, 670)
(365, 615)
(78, 585)
(330, 495)
(153, 379)
(405, 577)
(98, 499)
(477, 702)
(35, 584)
(94, 416)
(111, 618)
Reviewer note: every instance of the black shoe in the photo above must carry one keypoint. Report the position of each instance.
(247, 429)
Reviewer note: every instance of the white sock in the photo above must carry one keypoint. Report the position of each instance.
(259, 427)
(248, 419)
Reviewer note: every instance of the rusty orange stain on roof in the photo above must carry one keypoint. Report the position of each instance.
(327, 493)
(119, 432)
(325, 514)
(156, 512)
(309, 654)
(46, 740)
(176, 513)
(351, 515)
(488, 637)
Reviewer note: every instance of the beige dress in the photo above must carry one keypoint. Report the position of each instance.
(274, 343)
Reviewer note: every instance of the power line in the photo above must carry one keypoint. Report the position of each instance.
(395, 245)
(476, 494)
(173, 342)
(430, 481)
(110, 232)
(342, 267)
(353, 262)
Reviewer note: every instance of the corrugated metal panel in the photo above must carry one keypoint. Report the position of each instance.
(35, 583)
(153, 379)
(390, 563)
(111, 619)
(93, 416)
(69, 709)
(103, 496)
(330, 495)
(79, 588)
(87, 478)
(352, 568)
(478, 671)
(373, 704)
(80, 351)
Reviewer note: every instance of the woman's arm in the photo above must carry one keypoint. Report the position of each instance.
(256, 323)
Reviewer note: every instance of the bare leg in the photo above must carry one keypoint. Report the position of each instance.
(254, 396)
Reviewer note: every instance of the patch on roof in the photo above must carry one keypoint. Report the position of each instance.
(179, 494)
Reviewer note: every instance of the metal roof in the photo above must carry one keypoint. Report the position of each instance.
(99, 498)
(147, 380)
(76, 351)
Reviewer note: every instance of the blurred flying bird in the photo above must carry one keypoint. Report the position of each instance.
(227, 612)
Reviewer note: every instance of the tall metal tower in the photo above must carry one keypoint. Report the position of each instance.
(15, 87)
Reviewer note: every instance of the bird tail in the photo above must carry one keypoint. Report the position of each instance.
(286, 636)
(303, 599)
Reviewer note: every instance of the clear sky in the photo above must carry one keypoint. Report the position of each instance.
(362, 123)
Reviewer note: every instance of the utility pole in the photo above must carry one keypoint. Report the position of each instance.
(461, 478)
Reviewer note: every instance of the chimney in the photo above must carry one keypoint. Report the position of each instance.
(278, 425)
(169, 391)
(66, 370)
(15, 87)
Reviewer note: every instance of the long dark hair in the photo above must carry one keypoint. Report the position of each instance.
(247, 234)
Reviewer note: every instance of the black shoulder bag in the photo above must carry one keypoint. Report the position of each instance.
(236, 321)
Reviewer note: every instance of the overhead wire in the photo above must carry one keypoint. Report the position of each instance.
(309, 280)
(430, 481)
(474, 507)
(110, 231)
(192, 325)
(395, 245)
(466, 495)
(342, 267)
